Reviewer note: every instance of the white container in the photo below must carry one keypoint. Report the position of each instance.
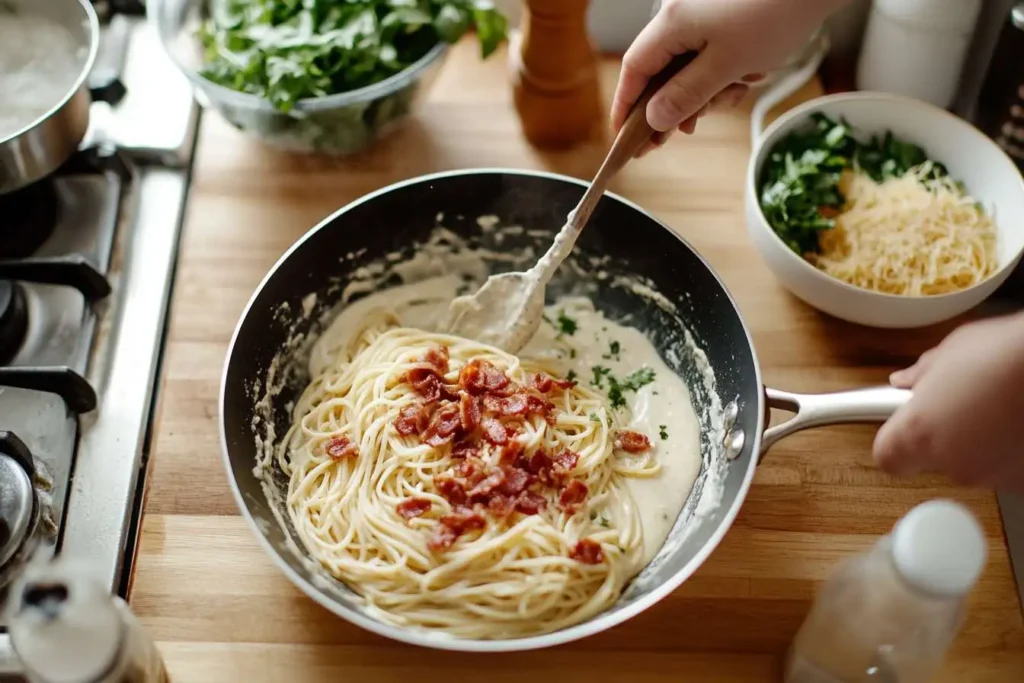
(890, 614)
(917, 48)
(972, 157)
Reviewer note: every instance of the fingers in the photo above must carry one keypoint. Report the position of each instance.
(730, 96)
(907, 377)
(902, 441)
(685, 94)
(652, 50)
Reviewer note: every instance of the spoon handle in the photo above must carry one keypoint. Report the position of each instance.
(635, 132)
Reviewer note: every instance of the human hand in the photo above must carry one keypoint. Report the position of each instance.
(966, 417)
(737, 40)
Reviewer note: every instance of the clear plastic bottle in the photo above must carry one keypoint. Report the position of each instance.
(890, 614)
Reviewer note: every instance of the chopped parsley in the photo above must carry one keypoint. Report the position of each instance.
(566, 325)
(663, 431)
(614, 349)
(546, 319)
(594, 417)
(572, 353)
(571, 376)
(604, 379)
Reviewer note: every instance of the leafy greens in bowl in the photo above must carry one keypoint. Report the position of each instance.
(318, 75)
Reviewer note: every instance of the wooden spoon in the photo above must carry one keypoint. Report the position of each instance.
(506, 312)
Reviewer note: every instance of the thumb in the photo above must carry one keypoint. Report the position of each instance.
(687, 92)
(902, 445)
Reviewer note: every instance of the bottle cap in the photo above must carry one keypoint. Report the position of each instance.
(939, 547)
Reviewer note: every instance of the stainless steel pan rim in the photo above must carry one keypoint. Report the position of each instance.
(29, 154)
(866, 405)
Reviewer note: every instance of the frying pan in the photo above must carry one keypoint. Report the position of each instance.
(388, 225)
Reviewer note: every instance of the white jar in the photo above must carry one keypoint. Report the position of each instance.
(917, 47)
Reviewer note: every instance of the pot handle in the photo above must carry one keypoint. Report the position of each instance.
(783, 88)
(874, 404)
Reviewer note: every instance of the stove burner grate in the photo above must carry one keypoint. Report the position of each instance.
(13, 320)
(28, 217)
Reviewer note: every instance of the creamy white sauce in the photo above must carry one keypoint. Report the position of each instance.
(39, 63)
(662, 409)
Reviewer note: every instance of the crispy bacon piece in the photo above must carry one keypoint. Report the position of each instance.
(514, 481)
(565, 461)
(572, 495)
(538, 463)
(506, 406)
(413, 507)
(450, 489)
(501, 506)
(479, 376)
(412, 419)
(465, 449)
(544, 383)
(437, 357)
(454, 525)
(340, 448)
(494, 431)
(587, 551)
(530, 503)
(443, 425)
(484, 488)
(469, 412)
(632, 442)
(510, 453)
(535, 405)
(425, 383)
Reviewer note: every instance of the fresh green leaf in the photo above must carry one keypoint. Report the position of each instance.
(566, 325)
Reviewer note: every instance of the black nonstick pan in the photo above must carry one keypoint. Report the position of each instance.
(635, 269)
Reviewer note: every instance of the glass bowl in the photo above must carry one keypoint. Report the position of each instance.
(336, 124)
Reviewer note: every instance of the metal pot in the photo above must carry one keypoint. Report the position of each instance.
(43, 145)
(392, 221)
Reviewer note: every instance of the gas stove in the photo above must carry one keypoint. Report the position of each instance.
(86, 262)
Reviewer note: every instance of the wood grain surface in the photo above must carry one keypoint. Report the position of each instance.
(221, 611)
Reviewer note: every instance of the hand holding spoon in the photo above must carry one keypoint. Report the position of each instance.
(506, 312)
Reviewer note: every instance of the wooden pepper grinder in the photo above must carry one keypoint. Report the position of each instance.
(554, 71)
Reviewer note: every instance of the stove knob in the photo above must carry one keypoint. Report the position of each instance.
(17, 496)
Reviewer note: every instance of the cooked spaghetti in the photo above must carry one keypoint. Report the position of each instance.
(456, 487)
(912, 235)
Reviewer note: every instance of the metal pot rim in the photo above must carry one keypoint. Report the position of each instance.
(83, 76)
(594, 625)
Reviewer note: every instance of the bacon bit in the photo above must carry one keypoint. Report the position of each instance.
(494, 431)
(530, 503)
(510, 389)
(463, 520)
(411, 419)
(437, 357)
(340, 448)
(488, 485)
(510, 453)
(450, 489)
(469, 412)
(465, 449)
(413, 507)
(572, 495)
(467, 469)
(514, 481)
(442, 539)
(535, 405)
(443, 425)
(565, 461)
(539, 463)
(479, 376)
(588, 551)
(501, 506)
(632, 442)
(544, 383)
(425, 383)
(507, 406)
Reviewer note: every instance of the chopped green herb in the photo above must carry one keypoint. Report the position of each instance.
(600, 372)
(663, 432)
(572, 353)
(571, 376)
(566, 325)
(614, 348)
(603, 522)
(546, 319)
(615, 393)
(594, 417)
(640, 378)
(603, 378)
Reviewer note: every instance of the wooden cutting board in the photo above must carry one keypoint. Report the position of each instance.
(221, 611)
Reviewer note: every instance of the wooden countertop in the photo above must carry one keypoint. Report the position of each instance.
(221, 611)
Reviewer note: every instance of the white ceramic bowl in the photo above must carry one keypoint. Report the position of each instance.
(990, 176)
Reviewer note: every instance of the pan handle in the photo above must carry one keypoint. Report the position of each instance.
(873, 404)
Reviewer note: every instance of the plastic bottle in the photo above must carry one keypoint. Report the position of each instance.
(917, 47)
(67, 628)
(889, 614)
(554, 74)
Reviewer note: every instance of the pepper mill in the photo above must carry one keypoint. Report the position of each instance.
(554, 72)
